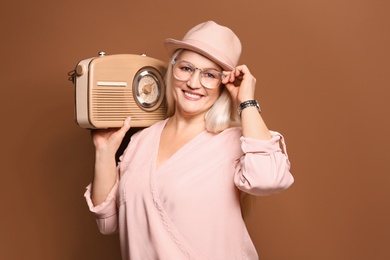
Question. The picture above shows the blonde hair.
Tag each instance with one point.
(219, 117)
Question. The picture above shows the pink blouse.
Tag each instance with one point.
(189, 207)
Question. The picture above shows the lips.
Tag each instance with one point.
(192, 96)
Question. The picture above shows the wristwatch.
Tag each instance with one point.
(248, 103)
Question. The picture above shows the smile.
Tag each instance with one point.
(192, 95)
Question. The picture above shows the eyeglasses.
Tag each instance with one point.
(209, 78)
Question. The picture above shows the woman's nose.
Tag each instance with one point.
(194, 81)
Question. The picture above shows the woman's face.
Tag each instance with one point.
(192, 99)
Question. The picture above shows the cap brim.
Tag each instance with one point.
(172, 45)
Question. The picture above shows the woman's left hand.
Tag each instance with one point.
(240, 83)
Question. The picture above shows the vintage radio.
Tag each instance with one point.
(109, 88)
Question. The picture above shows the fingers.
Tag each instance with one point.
(126, 123)
(230, 77)
(126, 126)
(240, 83)
(111, 135)
(226, 79)
(242, 71)
(236, 76)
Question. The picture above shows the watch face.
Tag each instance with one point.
(148, 88)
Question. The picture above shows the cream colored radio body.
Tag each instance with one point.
(110, 88)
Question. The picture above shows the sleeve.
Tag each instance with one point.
(264, 169)
(105, 213)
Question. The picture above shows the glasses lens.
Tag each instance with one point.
(209, 78)
(183, 71)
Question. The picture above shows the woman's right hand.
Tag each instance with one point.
(106, 144)
(110, 139)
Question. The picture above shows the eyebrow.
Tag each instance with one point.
(210, 68)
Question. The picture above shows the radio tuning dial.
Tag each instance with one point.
(148, 88)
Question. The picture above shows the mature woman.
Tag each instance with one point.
(175, 193)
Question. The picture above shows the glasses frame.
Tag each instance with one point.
(174, 62)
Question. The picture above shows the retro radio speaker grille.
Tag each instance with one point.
(110, 88)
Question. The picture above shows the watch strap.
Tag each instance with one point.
(248, 103)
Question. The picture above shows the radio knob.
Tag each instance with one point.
(147, 89)
(80, 69)
(102, 53)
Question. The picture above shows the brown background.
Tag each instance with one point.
(323, 72)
